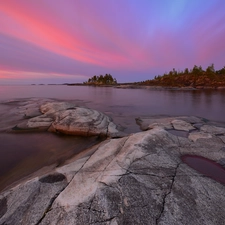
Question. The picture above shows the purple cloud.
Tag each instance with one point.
(133, 40)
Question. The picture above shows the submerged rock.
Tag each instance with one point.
(138, 179)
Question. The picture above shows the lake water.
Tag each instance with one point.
(24, 153)
(129, 102)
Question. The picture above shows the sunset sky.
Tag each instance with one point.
(59, 41)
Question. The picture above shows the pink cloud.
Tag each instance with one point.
(88, 37)
(39, 29)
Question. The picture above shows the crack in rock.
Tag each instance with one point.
(49, 207)
(107, 128)
(104, 221)
(167, 194)
(101, 172)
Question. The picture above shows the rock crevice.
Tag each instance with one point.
(167, 194)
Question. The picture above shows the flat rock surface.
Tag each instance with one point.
(182, 125)
(213, 129)
(179, 123)
(138, 179)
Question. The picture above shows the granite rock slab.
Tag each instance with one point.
(61, 117)
(137, 179)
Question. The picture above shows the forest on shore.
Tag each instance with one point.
(107, 79)
(196, 77)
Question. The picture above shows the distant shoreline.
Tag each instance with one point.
(153, 87)
(139, 86)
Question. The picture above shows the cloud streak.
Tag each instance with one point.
(133, 40)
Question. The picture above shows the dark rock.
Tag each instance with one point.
(3, 206)
(52, 178)
(179, 133)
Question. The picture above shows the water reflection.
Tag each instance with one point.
(130, 103)
(123, 105)
(206, 167)
(204, 103)
(22, 154)
(196, 98)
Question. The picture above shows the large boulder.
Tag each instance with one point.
(138, 179)
(64, 117)
(84, 122)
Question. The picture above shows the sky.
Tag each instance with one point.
(69, 41)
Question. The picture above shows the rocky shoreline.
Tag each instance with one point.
(138, 178)
(154, 87)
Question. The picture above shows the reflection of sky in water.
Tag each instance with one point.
(123, 105)
(24, 153)
(130, 103)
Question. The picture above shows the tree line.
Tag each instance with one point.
(196, 70)
(193, 77)
(107, 79)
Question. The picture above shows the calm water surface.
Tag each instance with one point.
(130, 102)
(26, 153)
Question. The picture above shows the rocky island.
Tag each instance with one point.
(196, 78)
(188, 79)
(171, 172)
